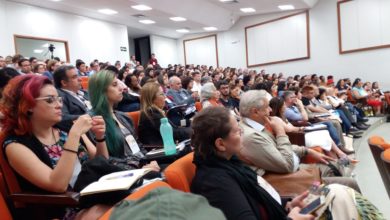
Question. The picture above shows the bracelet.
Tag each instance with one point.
(306, 151)
(71, 151)
(100, 140)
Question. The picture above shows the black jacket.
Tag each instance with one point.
(149, 129)
(72, 108)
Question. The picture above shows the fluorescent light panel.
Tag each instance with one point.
(178, 19)
(183, 30)
(38, 51)
(247, 10)
(226, 0)
(147, 21)
(141, 7)
(286, 7)
(210, 28)
(107, 11)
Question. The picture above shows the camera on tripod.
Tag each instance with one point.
(51, 48)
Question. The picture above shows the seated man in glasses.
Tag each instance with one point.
(75, 100)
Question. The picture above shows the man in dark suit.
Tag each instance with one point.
(75, 100)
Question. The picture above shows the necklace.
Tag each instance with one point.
(48, 147)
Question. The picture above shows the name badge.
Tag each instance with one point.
(183, 123)
(132, 144)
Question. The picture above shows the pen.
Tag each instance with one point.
(122, 176)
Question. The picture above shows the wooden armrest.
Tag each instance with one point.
(287, 197)
(297, 138)
(152, 146)
(300, 123)
(64, 199)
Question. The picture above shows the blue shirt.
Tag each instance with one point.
(293, 114)
(180, 97)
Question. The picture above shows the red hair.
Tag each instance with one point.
(18, 98)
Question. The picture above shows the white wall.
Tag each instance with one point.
(201, 51)
(165, 50)
(87, 38)
(325, 58)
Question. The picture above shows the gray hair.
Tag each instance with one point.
(207, 90)
(287, 94)
(173, 79)
(252, 99)
(205, 79)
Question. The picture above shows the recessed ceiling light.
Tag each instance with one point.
(55, 0)
(147, 21)
(210, 28)
(227, 1)
(141, 7)
(247, 10)
(45, 45)
(107, 11)
(184, 30)
(178, 19)
(286, 7)
(38, 51)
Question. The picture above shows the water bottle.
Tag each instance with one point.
(167, 136)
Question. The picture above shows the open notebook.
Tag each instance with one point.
(122, 180)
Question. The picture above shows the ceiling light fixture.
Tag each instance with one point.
(147, 21)
(247, 10)
(178, 19)
(286, 7)
(210, 28)
(228, 1)
(184, 30)
(107, 11)
(56, 0)
(38, 51)
(141, 7)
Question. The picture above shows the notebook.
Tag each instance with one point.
(122, 180)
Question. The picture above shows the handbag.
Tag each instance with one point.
(91, 171)
(294, 183)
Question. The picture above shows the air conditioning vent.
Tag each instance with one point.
(229, 1)
(139, 15)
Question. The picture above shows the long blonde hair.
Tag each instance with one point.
(149, 93)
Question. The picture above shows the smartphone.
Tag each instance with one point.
(314, 205)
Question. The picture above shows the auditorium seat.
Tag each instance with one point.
(385, 157)
(135, 117)
(180, 173)
(380, 141)
(84, 82)
(4, 210)
(41, 202)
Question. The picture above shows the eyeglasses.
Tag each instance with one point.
(51, 99)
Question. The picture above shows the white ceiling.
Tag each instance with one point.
(199, 13)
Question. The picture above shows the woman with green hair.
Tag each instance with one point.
(105, 91)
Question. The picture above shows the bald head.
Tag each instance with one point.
(175, 83)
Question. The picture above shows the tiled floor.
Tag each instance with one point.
(367, 174)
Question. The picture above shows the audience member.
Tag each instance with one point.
(209, 95)
(44, 157)
(51, 66)
(177, 94)
(75, 101)
(152, 105)
(106, 91)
